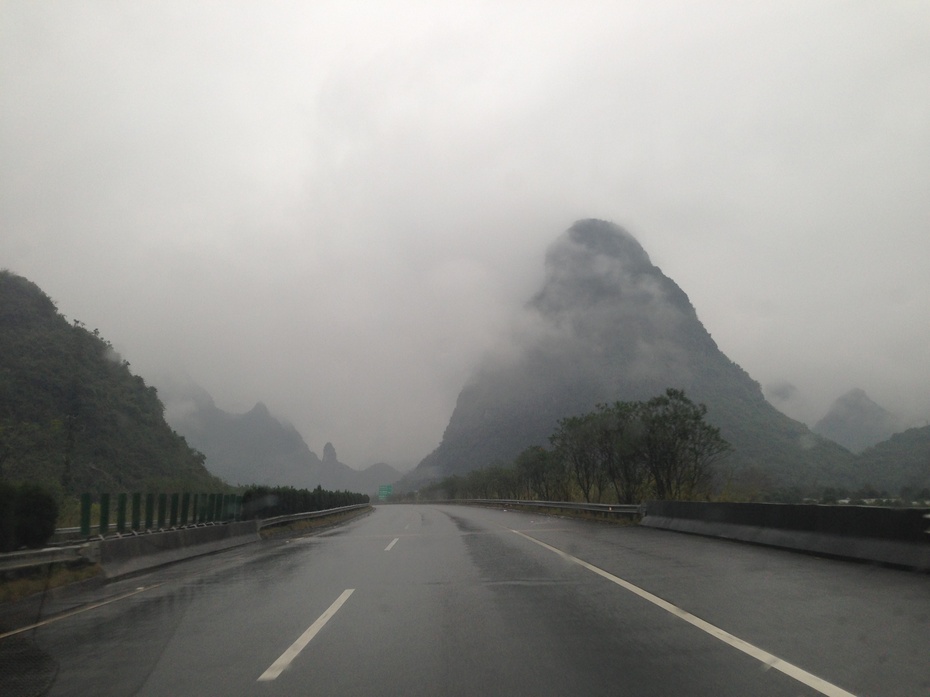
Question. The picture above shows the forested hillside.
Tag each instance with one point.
(901, 462)
(72, 416)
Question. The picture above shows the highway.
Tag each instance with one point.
(454, 600)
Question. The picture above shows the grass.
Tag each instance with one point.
(18, 585)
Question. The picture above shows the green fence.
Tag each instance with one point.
(131, 512)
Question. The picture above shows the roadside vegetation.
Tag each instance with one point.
(623, 452)
(271, 501)
(16, 585)
(28, 516)
(629, 452)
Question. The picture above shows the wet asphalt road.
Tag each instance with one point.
(448, 600)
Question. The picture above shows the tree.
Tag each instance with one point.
(502, 482)
(662, 446)
(618, 440)
(36, 514)
(530, 466)
(679, 448)
(575, 443)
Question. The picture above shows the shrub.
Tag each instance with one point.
(7, 517)
(36, 513)
(28, 515)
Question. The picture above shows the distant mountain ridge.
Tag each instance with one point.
(257, 448)
(856, 422)
(608, 325)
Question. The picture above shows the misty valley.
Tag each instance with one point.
(607, 326)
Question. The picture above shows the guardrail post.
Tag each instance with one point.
(85, 515)
(149, 511)
(136, 511)
(162, 510)
(104, 514)
(121, 514)
(185, 507)
(173, 518)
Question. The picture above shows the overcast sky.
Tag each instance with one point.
(337, 207)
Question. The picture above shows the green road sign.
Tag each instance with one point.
(384, 491)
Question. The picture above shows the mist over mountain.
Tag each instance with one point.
(257, 448)
(73, 417)
(856, 422)
(608, 325)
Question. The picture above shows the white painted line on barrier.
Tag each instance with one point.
(789, 669)
(393, 542)
(294, 650)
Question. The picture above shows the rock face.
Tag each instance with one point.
(608, 325)
(856, 422)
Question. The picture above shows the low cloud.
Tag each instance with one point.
(338, 210)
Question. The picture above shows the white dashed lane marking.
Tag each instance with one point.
(294, 650)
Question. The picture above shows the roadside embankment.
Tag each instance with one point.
(895, 536)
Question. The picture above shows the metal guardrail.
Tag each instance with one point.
(39, 557)
(64, 536)
(293, 517)
(66, 553)
(277, 520)
(618, 509)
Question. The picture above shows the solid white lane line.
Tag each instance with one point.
(789, 669)
(79, 610)
(393, 542)
(285, 659)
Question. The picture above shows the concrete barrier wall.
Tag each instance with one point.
(867, 533)
(124, 555)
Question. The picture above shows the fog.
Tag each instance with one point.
(338, 208)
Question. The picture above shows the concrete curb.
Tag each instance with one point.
(125, 555)
(898, 553)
